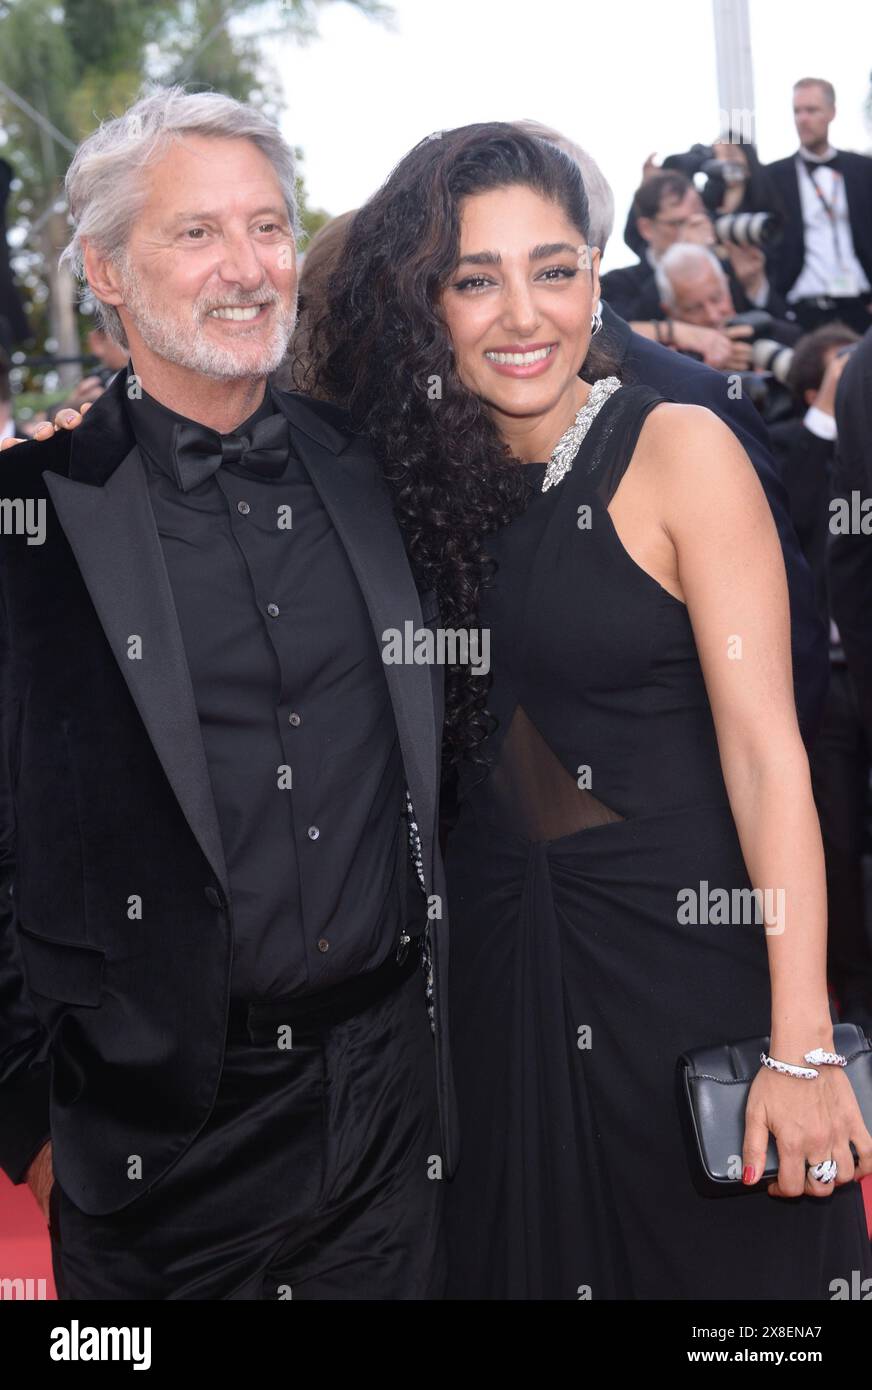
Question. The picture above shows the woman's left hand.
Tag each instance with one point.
(811, 1120)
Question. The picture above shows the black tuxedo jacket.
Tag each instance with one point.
(631, 291)
(850, 554)
(806, 464)
(788, 258)
(681, 379)
(112, 1029)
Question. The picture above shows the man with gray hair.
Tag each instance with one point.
(223, 1047)
(693, 288)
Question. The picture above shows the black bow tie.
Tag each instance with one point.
(812, 164)
(198, 452)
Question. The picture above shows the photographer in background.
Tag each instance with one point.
(666, 209)
(737, 181)
(90, 388)
(696, 297)
(805, 445)
(110, 356)
(745, 212)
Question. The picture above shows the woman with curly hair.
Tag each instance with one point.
(636, 742)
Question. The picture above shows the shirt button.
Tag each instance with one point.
(243, 507)
(273, 610)
(323, 945)
(294, 719)
(314, 832)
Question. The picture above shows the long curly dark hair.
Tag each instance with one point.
(381, 345)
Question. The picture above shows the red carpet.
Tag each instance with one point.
(25, 1251)
(24, 1244)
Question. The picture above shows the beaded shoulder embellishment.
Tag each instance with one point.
(567, 447)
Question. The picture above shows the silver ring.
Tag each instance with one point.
(825, 1171)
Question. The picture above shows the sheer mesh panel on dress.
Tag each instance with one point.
(531, 792)
(606, 468)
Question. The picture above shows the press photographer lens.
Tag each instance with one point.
(749, 228)
(769, 356)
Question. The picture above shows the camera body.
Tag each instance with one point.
(739, 228)
(767, 355)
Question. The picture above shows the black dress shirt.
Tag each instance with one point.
(295, 714)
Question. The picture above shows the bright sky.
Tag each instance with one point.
(622, 78)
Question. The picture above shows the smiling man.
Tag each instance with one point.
(223, 1052)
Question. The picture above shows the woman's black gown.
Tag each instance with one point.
(573, 984)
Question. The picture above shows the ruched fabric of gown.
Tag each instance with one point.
(574, 983)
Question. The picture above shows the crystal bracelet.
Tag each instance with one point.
(820, 1058)
(806, 1073)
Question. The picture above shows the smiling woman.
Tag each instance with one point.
(620, 553)
(413, 302)
(529, 287)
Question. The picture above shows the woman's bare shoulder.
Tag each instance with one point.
(670, 420)
(694, 472)
(680, 441)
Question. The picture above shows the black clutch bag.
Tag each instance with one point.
(713, 1085)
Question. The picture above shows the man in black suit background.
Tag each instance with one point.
(823, 265)
(850, 556)
(850, 586)
(221, 896)
(806, 446)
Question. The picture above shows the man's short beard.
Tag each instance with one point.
(186, 346)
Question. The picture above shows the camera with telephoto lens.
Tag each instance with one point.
(717, 173)
(749, 228)
(766, 354)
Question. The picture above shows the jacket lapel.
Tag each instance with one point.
(856, 192)
(105, 511)
(358, 502)
(106, 515)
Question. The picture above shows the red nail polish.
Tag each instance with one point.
(748, 1174)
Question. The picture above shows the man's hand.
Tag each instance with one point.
(741, 351)
(64, 420)
(718, 349)
(826, 397)
(40, 1178)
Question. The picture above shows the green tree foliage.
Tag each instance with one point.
(66, 66)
